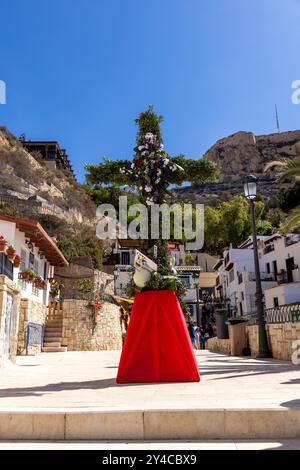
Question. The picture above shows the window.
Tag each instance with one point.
(23, 259)
(125, 257)
(275, 269)
(243, 297)
(268, 268)
(275, 302)
(36, 266)
(45, 270)
(6, 267)
(185, 279)
(191, 308)
(231, 275)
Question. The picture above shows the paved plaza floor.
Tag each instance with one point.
(86, 380)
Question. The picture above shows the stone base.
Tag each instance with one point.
(150, 424)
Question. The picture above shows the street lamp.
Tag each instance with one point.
(196, 285)
(250, 187)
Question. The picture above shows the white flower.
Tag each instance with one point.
(141, 147)
(132, 165)
(149, 135)
(148, 188)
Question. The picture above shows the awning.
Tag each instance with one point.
(39, 237)
(207, 279)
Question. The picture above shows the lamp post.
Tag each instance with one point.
(263, 348)
(196, 285)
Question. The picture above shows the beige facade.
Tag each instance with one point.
(9, 320)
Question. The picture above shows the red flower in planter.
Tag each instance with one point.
(3, 244)
(11, 253)
(39, 282)
(17, 261)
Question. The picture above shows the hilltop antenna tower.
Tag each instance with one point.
(277, 119)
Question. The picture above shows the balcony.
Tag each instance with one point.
(286, 277)
(268, 249)
(295, 238)
(247, 276)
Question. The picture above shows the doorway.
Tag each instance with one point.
(289, 262)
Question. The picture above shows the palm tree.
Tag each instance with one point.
(288, 168)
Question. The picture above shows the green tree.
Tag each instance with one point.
(289, 197)
(287, 169)
(230, 224)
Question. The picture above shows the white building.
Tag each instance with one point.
(199, 277)
(279, 258)
(38, 252)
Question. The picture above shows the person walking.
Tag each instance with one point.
(192, 334)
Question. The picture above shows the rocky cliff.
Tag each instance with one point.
(238, 155)
(243, 153)
(35, 190)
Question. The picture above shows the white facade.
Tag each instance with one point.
(281, 255)
(188, 274)
(279, 260)
(29, 259)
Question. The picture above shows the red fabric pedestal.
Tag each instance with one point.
(157, 346)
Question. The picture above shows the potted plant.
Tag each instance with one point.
(17, 261)
(28, 275)
(11, 252)
(55, 288)
(39, 283)
(3, 244)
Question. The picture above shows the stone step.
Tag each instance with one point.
(50, 338)
(52, 344)
(52, 329)
(54, 323)
(54, 349)
(149, 424)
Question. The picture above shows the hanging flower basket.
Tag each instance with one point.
(11, 253)
(17, 261)
(3, 244)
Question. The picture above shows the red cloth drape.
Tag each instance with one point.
(157, 346)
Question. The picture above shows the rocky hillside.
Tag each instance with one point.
(35, 190)
(238, 155)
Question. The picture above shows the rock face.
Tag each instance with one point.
(238, 155)
(36, 190)
(244, 153)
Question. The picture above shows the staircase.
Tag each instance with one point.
(53, 330)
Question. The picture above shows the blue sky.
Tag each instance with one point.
(80, 71)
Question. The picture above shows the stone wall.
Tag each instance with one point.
(9, 291)
(280, 336)
(221, 345)
(33, 312)
(81, 334)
